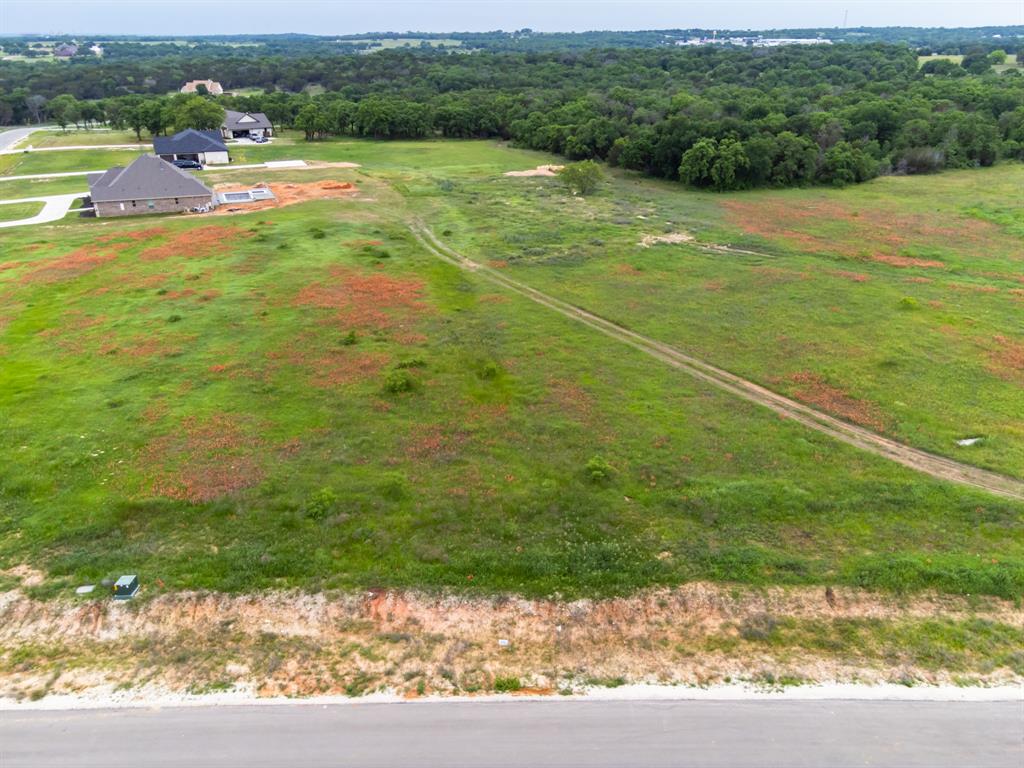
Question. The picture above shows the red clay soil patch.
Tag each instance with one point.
(435, 442)
(1007, 358)
(143, 346)
(366, 301)
(75, 264)
(197, 243)
(568, 397)
(133, 236)
(628, 270)
(815, 391)
(867, 231)
(362, 243)
(857, 277)
(342, 367)
(203, 460)
(906, 261)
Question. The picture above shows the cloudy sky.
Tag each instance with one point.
(330, 17)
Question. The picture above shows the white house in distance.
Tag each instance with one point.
(212, 87)
(242, 125)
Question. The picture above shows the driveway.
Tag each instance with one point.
(56, 208)
(12, 136)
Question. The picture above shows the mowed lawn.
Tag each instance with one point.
(81, 137)
(63, 161)
(15, 211)
(895, 304)
(304, 397)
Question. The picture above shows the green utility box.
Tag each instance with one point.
(126, 587)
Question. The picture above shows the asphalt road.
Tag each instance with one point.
(525, 733)
(12, 135)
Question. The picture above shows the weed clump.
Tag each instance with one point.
(599, 470)
(320, 503)
(317, 234)
(507, 684)
(399, 381)
(908, 303)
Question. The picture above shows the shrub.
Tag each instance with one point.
(908, 303)
(758, 628)
(320, 503)
(490, 370)
(507, 684)
(317, 234)
(598, 469)
(349, 339)
(174, 319)
(581, 178)
(399, 381)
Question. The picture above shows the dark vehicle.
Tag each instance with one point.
(187, 164)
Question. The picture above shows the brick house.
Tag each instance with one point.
(206, 147)
(148, 185)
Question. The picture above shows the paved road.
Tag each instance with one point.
(56, 208)
(525, 733)
(13, 135)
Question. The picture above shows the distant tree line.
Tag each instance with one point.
(711, 117)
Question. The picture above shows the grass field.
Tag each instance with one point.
(15, 211)
(304, 397)
(74, 138)
(30, 163)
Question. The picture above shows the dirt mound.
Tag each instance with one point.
(540, 170)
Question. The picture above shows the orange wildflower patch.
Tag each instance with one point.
(203, 460)
(813, 390)
(1006, 358)
(197, 243)
(906, 261)
(367, 301)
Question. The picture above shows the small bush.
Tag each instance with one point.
(507, 684)
(399, 381)
(490, 370)
(908, 303)
(599, 470)
(349, 339)
(174, 319)
(321, 503)
(317, 234)
(416, 362)
(758, 628)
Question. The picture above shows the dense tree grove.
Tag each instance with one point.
(715, 117)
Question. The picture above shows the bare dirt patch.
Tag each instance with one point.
(674, 237)
(287, 643)
(814, 390)
(1006, 358)
(286, 193)
(540, 170)
(906, 261)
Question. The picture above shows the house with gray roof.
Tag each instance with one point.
(206, 147)
(242, 125)
(148, 185)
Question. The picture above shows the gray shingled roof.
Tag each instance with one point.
(233, 120)
(147, 178)
(189, 142)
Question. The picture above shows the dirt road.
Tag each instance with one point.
(922, 461)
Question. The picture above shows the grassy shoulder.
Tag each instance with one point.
(81, 138)
(16, 211)
(65, 161)
(304, 398)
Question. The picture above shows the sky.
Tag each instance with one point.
(339, 17)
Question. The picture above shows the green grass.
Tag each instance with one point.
(247, 369)
(928, 349)
(75, 138)
(15, 211)
(21, 188)
(30, 163)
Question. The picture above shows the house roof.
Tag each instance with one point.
(189, 142)
(244, 121)
(212, 86)
(147, 178)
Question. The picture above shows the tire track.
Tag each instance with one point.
(931, 464)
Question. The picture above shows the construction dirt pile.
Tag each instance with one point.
(286, 193)
(297, 644)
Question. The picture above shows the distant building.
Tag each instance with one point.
(206, 147)
(754, 42)
(148, 185)
(65, 50)
(239, 125)
(212, 87)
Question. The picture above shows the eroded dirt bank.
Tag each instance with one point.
(697, 634)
